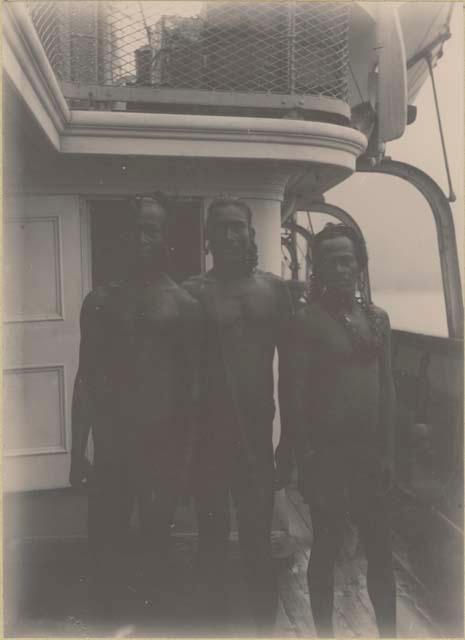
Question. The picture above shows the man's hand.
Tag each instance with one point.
(283, 468)
(80, 473)
(315, 480)
(282, 477)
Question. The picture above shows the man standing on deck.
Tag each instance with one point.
(246, 316)
(134, 388)
(343, 403)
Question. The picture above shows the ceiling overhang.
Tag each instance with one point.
(163, 135)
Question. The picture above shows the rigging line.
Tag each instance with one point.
(449, 14)
(310, 223)
(452, 197)
(298, 249)
(148, 31)
(146, 27)
(355, 82)
(428, 31)
(288, 263)
(302, 254)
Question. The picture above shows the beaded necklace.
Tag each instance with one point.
(363, 346)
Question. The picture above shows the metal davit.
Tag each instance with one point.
(445, 230)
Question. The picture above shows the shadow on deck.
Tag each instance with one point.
(46, 583)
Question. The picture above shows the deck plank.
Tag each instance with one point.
(47, 566)
(345, 621)
(352, 603)
(284, 627)
(350, 610)
(295, 603)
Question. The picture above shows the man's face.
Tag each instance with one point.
(150, 233)
(229, 235)
(338, 267)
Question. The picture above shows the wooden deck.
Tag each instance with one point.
(45, 594)
(354, 615)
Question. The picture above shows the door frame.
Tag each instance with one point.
(86, 246)
(86, 233)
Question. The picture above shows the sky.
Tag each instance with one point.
(395, 219)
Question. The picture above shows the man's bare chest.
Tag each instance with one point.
(249, 306)
(345, 336)
(147, 311)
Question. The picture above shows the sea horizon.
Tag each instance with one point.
(420, 311)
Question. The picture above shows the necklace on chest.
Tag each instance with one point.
(365, 344)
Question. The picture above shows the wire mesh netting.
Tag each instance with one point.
(272, 47)
(47, 26)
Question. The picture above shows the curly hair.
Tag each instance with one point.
(330, 231)
(224, 201)
(160, 198)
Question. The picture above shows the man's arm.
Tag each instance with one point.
(194, 339)
(284, 451)
(387, 407)
(191, 360)
(300, 369)
(82, 410)
(192, 364)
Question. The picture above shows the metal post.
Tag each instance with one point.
(445, 230)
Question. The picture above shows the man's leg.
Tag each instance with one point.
(375, 533)
(156, 577)
(212, 507)
(108, 525)
(157, 509)
(254, 504)
(324, 486)
(156, 470)
(328, 537)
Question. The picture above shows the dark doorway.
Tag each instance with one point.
(111, 222)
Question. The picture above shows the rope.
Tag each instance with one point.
(310, 224)
(146, 27)
(452, 197)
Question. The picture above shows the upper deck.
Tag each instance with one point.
(312, 61)
(200, 57)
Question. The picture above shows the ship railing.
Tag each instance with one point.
(238, 57)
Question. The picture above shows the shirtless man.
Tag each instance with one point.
(246, 315)
(344, 400)
(134, 388)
